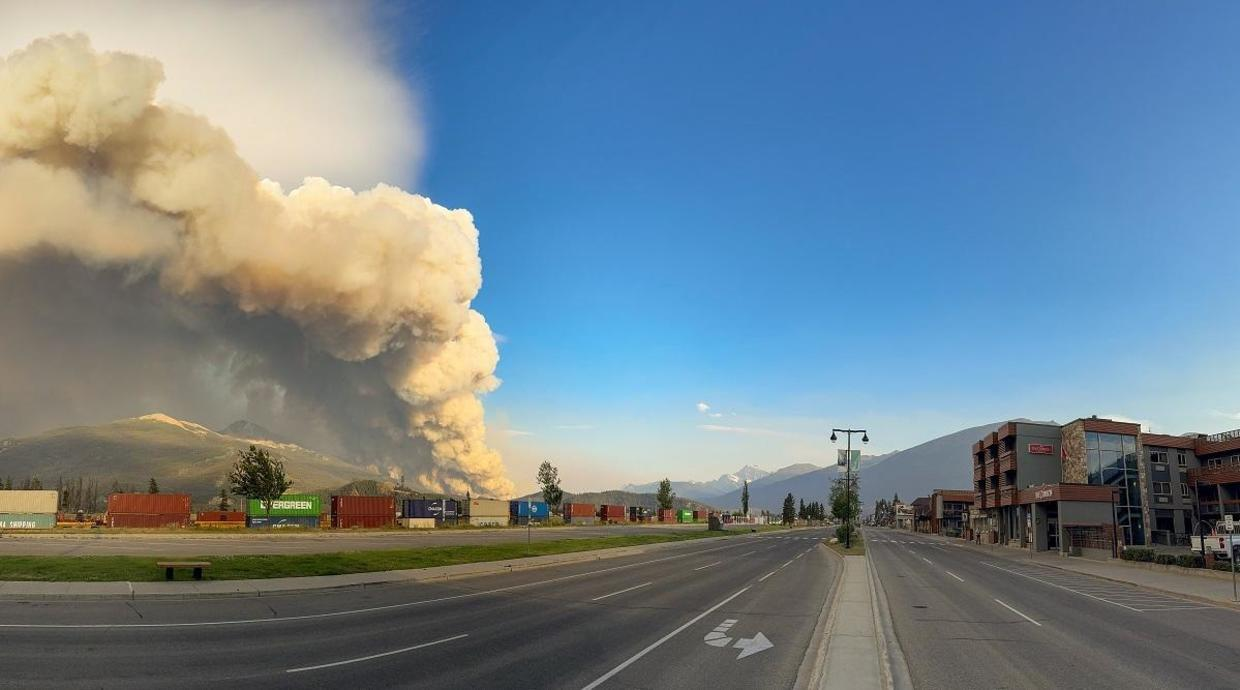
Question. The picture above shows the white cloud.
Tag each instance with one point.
(715, 415)
(736, 429)
(302, 87)
(703, 407)
(518, 432)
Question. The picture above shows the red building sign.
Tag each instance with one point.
(1041, 448)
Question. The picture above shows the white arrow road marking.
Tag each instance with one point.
(718, 636)
(752, 645)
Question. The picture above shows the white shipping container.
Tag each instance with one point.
(28, 501)
(486, 507)
(417, 523)
(488, 520)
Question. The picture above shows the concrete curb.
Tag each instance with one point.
(813, 668)
(895, 666)
(42, 591)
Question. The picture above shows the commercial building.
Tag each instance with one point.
(921, 514)
(904, 515)
(1099, 484)
(948, 508)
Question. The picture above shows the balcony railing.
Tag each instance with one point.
(1007, 463)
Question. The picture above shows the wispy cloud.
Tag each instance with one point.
(500, 338)
(721, 428)
(703, 407)
(574, 427)
(1233, 416)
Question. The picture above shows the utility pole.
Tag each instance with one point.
(865, 438)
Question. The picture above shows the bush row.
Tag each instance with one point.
(1191, 560)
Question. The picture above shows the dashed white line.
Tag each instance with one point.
(708, 565)
(376, 656)
(625, 664)
(766, 576)
(747, 553)
(954, 575)
(630, 589)
(1018, 613)
(926, 560)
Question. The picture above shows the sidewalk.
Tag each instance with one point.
(853, 658)
(191, 589)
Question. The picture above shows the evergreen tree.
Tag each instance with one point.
(790, 510)
(225, 504)
(665, 497)
(549, 480)
(152, 486)
(745, 498)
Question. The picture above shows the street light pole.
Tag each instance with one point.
(865, 438)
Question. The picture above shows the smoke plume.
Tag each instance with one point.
(139, 252)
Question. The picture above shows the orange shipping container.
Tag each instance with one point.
(611, 512)
(364, 505)
(363, 521)
(221, 516)
(578, 510)
(149, 503)
(148, 520)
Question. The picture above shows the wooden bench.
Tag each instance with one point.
(170, 566)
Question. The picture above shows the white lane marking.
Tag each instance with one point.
(654, 645)
(708, 565)
(375, 656)
(752, 645)
(954, 575)
(1019, 613)
(785, 565)
(630, 589)
(747, 553)
(801, 554)
(1066, 589)
(350, 612)
(766, 576)
(718, 637)
(926, 560)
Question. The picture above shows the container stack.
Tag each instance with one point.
(525, 512)
(487, 512)
(699, 516)
(579, 514)
(148, 510)
(426, 513)
(28, 509)
(226, 519)
(290, 511)
(639, 514)
(367, 512)
(668, 515)
(684, 515)
(612, 514)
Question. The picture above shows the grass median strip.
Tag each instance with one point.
(143, 568)
(857, 548)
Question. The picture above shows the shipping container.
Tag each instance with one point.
(578, 510)
(149, 504)
(28, 501)
(283, 521)
(487, 507)
(699, 515)
(368, 506)
(668, 515)
(639, 514)
(684, 516)
(221, 516)
(147, 520)
(417, 523)
(288, 505)
(437, 508)
(581, 519)
(488, 520)
(347, 521)
(529, 509)
(612, 513)
(27, 520)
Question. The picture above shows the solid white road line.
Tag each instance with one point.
(708, 565)
(1019, 613)
(654, 645)
(747, 553)
(630, 589)
(954, 575)
(766, 576)
(926, 560)
(375, 656)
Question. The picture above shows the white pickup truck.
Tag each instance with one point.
(1217, 544)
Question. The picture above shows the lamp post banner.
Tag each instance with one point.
(842, 458)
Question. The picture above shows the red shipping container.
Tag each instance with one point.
(578, 510)
(149, 503)
(221, 516)
(364, 505)
(667, 516)
(612, 513)
(149, 520)
(699, 515)
(363, 521)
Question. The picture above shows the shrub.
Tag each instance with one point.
(1191, 560)
(1225, 565)
(1139, 555)
(842, 531)
(1166, 559)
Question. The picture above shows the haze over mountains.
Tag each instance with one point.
(707, 489)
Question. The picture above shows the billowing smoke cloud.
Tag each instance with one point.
(134, 237)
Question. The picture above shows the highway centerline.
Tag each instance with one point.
(708, 565)
(654, 645)
(1019, 613)
(376, 656)
(954, 575)
(630, 589)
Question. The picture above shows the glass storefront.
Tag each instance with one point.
(1112, 459)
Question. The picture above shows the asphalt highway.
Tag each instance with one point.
(89, 542)
(970, 617)
(732, 613)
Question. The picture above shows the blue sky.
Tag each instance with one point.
(914, 217)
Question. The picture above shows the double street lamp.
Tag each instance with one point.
(865, 438)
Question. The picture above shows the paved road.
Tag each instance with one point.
(973, 618)
(233, 542)
(639, 621)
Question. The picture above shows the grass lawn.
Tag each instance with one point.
(143, 569)
(857, 548)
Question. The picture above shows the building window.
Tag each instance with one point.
(1181, 458)
(1158, 456)
(1184, 489)
(1162, 487)
(1112, 459)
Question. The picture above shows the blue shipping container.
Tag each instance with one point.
(535, 509)
(438, 508)
(282, 521)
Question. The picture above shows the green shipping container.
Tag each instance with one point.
(684, 516)
(288, 505)
(27, 520)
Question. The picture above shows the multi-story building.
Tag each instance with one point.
(1081, 484)
(948, 508)
(921, 514)
(904, 515)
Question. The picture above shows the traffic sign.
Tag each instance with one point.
(1228, 523)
